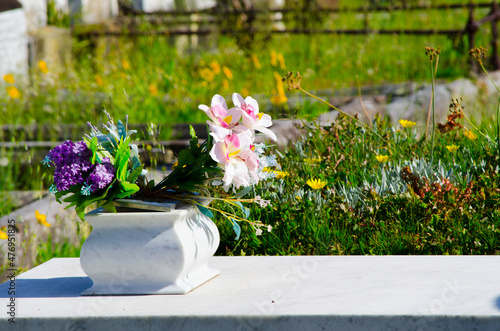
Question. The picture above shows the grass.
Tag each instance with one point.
(146, 78)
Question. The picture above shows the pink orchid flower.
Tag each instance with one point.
(252, 119)
(235, 156)
(223, 120)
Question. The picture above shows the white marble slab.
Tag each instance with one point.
(276, 293)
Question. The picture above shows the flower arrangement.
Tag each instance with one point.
(104, 167)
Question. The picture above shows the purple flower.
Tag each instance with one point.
(101, 176)
(72, 163)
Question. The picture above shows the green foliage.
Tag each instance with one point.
(446, 207)
(194, 167)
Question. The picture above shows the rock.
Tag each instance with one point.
(463, 88)
(485, 85)
(415, 107)
(327, 119)
(372, 105)
(286, 131)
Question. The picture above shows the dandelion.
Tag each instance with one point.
(43, 66)
(215, 67)
(125, 64)
(41, 218)
(225, 84)
(245, 91)
(470, 135)
(407, 124)
(452, 148)
(9, 78)
(281, 174)
(382, 158)
(256, 61)
(228, 73)
(153, 90)
(13, 92)
(3, 235)
(316, 184)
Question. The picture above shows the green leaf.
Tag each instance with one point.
(244, 210)
(132, 177)
(125, 189)
(194, 139)
(243, 192)
(236, 228)
(185, 158)
(122, 131)
(205, 211)
(192, 132)
(121, 159)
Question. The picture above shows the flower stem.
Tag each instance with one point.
(342, 112)
(433, 73)
(475, 128)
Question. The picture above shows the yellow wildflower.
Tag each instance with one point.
(312, 161)
(41, 218)
(256, 62)
(98, 80)
(382, 158)
(207, 74)
(43, 66)
(13, 92)
(225, 84)
(245, 91)
(227, 72)
(280, 174)
(470, 135)
(281, 60)
(125, 64)
(153, 90)
(9, 78)
(274, 60)
(215, 67)
(407, 124)
(452, 148)
(316, 184)
(3, 235)
(280, 98)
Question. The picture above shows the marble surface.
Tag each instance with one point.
(276, 293)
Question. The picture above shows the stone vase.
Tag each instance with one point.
(148, 252)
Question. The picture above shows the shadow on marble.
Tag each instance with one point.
(497, 303)
(63, 287)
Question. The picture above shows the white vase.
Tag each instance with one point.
(148, 252)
